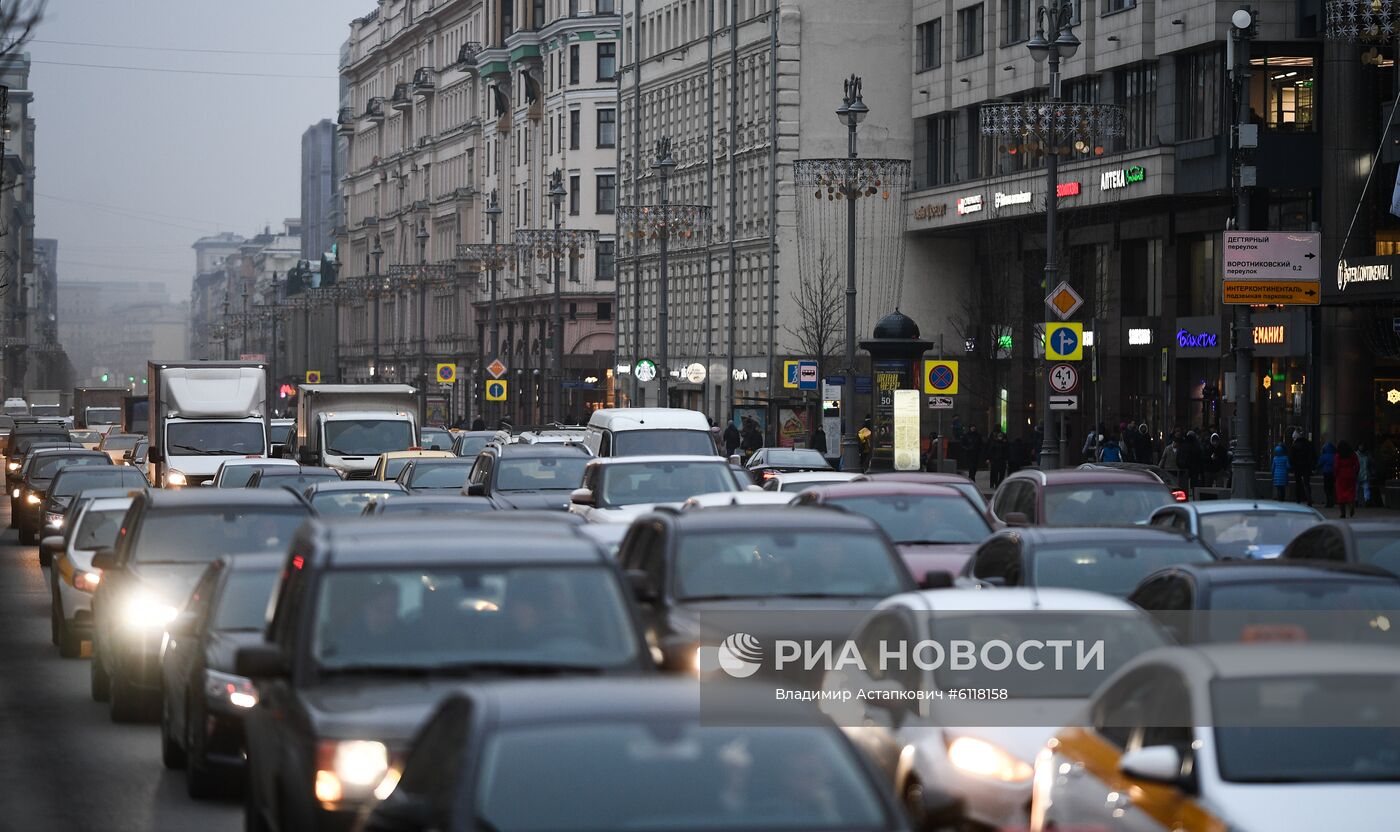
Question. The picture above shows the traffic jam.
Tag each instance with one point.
(343, 618)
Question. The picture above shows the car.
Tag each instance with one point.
(32, 429)
(1239, 528)
(1108, 560)
(647, 431)
(435, 438)
(1077, 498)
(89, 439)
(347, 498)
(1372, 542)
(235, 473)
(367, 635)
(934, 527)
(721, 499)
(1280, 737)
(14, 478)
(15, 406)
(38, 479)
(1241, 595)
(19, 451)
(764, 463)
(938, 740)
(560, 435)
(968, 488)
(443, 504)
(391, 463)
(71, 481)
(72, 578)
(441, 475)
(203, 702)
(620, 489)
(799, 481)
(1155, 473)
(282, 435)
(627, 754)
(297, 479)
(686, 565)
(169, 539)
(469, 443)
(116, 444)
(138, 457)
(527, 476)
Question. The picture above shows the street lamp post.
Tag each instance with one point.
(274, 309)
(225, 323)
(493, 214)
(852, 112)
(664, 164)
(556, 196)
(423, 374)
(374, 294)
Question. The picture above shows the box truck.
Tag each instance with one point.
(347, 426)
(203, 413)
(97, 408)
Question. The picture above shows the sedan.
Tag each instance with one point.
(34, 491)
(435, 439)
(235, 473)
(203, 702)
(1111, 561)
(117, 444)
(89, 439)
(72, 481)
(72, 577)
(1372, 542)
(620, 489)
(1078, 498)
(766, 462)
(347, 498)
(470, 443)
(440, 475)
(1239, 528)
(796, 483)
(1155, 473)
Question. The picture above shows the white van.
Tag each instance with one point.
(646, 431)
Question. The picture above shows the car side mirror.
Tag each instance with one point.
(105, 559)
(757, 488)
(305, 456)
(260, 661)
(155, 455)
(994, 580)
(936, 579)
(938, 809)
(207, 484)
(1017, 518)
(640, 586)
(476, 489)
(582, 497)
(126, 455)
(735, 460)
(52, 546)
(1156, 763)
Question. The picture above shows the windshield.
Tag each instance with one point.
(673, 775)
(1379, 549)
(86, 436)
(16, 410)
(760, 563)
(920, 518)
(293, 478)
(791, 487)
(346, 503)
(1316, 594)
(237, 476)
(215, 438)
(1113, 567)
(99, 528)
(1288, 747)
(368, 437)
(393, 467)
(472, 445)
(120, 442)
(243, 602)
(195, 536)
(1103, 504)
(46, 410)
(452, 475)
(545, 473)
(435, 439)
(71, 481)
(402, 505)
(7, 423)
(793, 458)
(1247, 534)
(636, 483)
(104, 415)
(669, 442)
(449, 617)
(46, 466)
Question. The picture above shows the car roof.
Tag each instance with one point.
(1009, 599)
(263, 461)
(71, 453)
(413, 499)
(872, 488)
(931, 477)
(760, 517)
(657, 458)
(367, 541)
(253, 561)
(1274, 570)
(541, 449)
(386, 486)
(1079, 534)
(107, 493)
(1074, 476)
(648, 418)
(222, 497)
(283, 471)
(1358, 526)
(414, 454)
(450, 459)
(106, 501)
(1231, 506)
(815, 476)
(730, 499)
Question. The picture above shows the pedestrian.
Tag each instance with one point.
(1346, 468)
(1090, 451)
(1217, 461)
(1301, 460)
(930, 459)
(819, 441)
(1363, 474)
(731, 439)
(1280, 467)
(972, 451)
(998, 457)
(478, 423)
(1326, 462)
(1194, 459)
(1171, 461)
(1142, 444)
(866, 436)
(750, 439)
(1111, 451)
(1018, 454)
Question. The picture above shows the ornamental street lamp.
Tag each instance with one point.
(377, 288)
(851, 113)
(492, 257)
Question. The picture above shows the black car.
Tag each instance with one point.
(169, 538)
(528, 476)
(429, 474)
(766, 462)
(293, 477)
(15, 463)
(34, 490)
(367, 635)
(72, 481)
(442, 504)
(1253, 599)
(1372, 542)
(203, 701)
(472, 442)
(683, 565)
(435, 439)
(1108, 560)
(25, 434)
(347, 498)
(623, 754)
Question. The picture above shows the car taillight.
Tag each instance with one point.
(1273, 632)
(768, 475)
(1179, 495)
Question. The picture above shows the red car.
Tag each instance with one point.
(936, 528)
(1078, 498)
(968, 488)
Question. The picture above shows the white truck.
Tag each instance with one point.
(203, 413)
(347, 426)
(97, 408)
(50, 404)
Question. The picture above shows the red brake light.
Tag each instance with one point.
(298, 562)
(1273, 632)
(1179, 495)
(768, 475)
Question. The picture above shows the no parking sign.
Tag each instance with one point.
(940, 377)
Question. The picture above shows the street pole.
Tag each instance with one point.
(493, 213)
(225, 307)
(272, 352)
(556, 194)
(375, 294)
(851, 113)
(423, 374)
(1243, 464)
(664, 165)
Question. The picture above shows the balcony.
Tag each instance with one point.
(345, 122)
(402, 98)
(374, 110)
(466, 56)
(423, 84)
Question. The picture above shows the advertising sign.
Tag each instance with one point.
(906, 430)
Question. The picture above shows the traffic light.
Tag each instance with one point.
(131, 379)
(143, 381)
(105, 376)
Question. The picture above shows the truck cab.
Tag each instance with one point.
(347, 426)
(203, 414)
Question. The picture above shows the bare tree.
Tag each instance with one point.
(17, 21)
(819, 326)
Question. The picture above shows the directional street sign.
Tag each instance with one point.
(1272, 267)
(496, 390)
(807, 375)
(1064, 342)
(1063, 300)
(1064, 378)
(1064, 402)
(446, 373)
(940, 377)
(940, 402)
(496, 368)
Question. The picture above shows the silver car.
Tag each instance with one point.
(72, 578)
(1247, 529)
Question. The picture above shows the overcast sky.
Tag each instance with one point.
(134, 166)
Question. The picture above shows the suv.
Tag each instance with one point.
(1078, 498)
(527, 476)
(366, 637)
(167, 540)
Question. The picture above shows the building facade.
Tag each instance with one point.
(113, 328)
(320, 191)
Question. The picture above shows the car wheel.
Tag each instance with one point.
(172, 756)
(200, 782)
(100, 684)
(127, 702)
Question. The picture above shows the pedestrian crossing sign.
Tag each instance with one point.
(496, 390)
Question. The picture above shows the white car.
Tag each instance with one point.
(620, 489)
(988, 768)
(800, 481)
(72, 579)
(721, 499)
(1251, 763)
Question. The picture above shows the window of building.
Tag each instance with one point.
(970, 31)
(930, 45)
(1018, 20)
(575, 120)
(1111, 6)
(606, 268)
(1281, 92)
(1142, 278)
(574, 196)
(607, 62)
(1137, 95)
(607, 193)
(607, 128)
(573, 8)
(1199, 100)
(573, 64)
(537, 14)
(606, 7)
(604, 309)
(942, 148)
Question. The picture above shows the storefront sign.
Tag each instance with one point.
(1348, 275)
(1115, 179)
(931, 211)
(1065, 189)
(1138, 337)
(969, 205)
(1273, 334)
(1188, 340)
(1280, 334)
(1000, 200)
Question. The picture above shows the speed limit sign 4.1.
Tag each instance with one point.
(1064, 378)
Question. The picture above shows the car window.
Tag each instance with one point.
(49, 465)
(1143, 697)
(762, 563)
(663, 441)
(635, 483)
(1100, 504)
(98, 528)
(1000, 558)
(345, 503)
(367, 437)
(887, 628)
(198, 604)
(1025, 501)
(920, 518)
(164, 536)
(438, 476)
(1376, 549)
(471, 445)
(1253, 534)
(1113, 567)
(70, 481)
(243, 601)
(549, 473)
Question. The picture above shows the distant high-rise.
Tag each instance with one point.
(318, 189)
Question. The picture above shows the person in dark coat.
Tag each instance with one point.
(750, 439)
(972, 451)
(1018, 454)
(1193, 458)
(1301, 459)
(478, 423)
(1345, 471)
(1325, 465)
(731, 440)
(998, 457)
(819, 441)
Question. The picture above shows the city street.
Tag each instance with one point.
(66, 765)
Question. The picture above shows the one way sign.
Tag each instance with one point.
(1064, 402)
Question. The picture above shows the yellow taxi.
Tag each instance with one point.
(391, 463)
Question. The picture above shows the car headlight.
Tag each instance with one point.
(145, 611)
(982, 758)
(176, 479)
(13, 466)
(15, 493)
(33, 499)
(349, 767)
(54, 519)
(86, 581)
(228, 688)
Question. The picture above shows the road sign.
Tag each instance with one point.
(645, 370)
(313, 376)
(807, 375)
(940, 377)
(940, 402)
(831, 391)
(791, 372)
(1064, 402)
(1064, 301)
(446, 373)
(496, 368)
(1064, 378)
(1064, 342)
(1272, 267)
(496, 390)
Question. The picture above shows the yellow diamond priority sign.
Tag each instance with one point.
(1064, 301)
